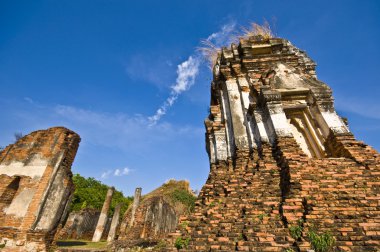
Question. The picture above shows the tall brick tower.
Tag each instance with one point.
(283, 164)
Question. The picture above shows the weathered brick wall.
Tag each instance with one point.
(280, 158)
(156, 215)
(154, 218)
(37, 187)
(80, 225)
(238, 208)
(252, 207)
(335, 195)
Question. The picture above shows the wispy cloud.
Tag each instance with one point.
(188, 70)
(116, 173)
(121, 172)
(120, 130)
(224, 36)
(106, 174)
(186, 74)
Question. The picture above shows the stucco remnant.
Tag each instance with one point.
(36, 188)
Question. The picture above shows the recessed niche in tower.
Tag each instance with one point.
(306, 132)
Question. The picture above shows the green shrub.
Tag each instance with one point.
(321, 242)
(185, 197)
(181, 243)
(296, 231)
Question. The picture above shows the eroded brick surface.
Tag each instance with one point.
(80, 225)
(36, 188)
(280, 157)
(156, 214)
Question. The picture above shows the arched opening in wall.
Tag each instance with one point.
(306, 132)
(9, 193)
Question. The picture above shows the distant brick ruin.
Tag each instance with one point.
(92, 224)
(36, 188)
(80, 225)
(153, 216)
(280, 159)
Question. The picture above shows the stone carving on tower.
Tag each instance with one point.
(268, 89)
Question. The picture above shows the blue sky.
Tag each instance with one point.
(104, 68)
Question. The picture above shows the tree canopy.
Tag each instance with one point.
(91, 193)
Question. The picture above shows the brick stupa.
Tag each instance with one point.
(280, 158)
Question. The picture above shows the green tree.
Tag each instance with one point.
(90, 193)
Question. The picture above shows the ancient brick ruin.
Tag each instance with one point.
(80, 225)
(36, 188)
(151, 217)
(280, 158)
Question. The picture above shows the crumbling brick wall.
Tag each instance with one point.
(155, 216)
(80, 225)
(36, 187)
(280, 158)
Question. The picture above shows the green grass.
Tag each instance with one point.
(81, 244)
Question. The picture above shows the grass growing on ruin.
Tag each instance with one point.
(185, 198)
(178, 193)
(82, 244)
(263, 31)
(211, 51)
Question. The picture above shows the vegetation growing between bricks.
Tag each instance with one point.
(181, 242)
(321, 242)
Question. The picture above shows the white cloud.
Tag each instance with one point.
(116, 173)
(106, 174)
(186, 74)
(119, 130)
(121, 172)
(188, 70)
(224, 36)
(126, 171)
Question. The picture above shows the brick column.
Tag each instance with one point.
(103, 216)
